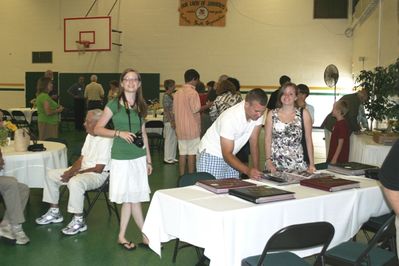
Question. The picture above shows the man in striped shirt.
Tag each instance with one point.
(186, 108)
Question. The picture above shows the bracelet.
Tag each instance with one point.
(149, 163)
(268, 158)
(118, 133)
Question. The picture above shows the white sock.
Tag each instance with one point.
(79, 218)
(55, 210)
(16, 227)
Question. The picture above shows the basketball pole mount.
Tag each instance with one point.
(117, 31)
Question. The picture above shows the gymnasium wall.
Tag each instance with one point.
(261, 41)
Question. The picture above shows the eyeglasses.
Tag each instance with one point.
(131, 79)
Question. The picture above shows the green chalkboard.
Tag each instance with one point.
(63, 81)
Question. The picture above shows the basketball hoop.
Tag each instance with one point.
(82, 46)
(86, 44)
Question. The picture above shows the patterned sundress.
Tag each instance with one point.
(287, 152)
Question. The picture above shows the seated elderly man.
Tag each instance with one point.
(15, 195)
(88, 172)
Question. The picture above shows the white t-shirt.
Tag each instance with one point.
(311, 111)
(96, 150)
(231, 124)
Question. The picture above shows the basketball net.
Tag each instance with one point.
(82, 46)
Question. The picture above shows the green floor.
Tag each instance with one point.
(96, 246)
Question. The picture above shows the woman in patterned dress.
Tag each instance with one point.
(283, 134)
(227, 96)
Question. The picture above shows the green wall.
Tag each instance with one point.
(62, 81)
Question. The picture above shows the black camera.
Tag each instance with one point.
(138, 140)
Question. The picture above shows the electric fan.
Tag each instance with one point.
(331, 76)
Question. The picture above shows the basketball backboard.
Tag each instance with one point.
(87, 34)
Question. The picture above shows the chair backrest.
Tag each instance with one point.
(18, 115)
(34, 117)
(154, 124)
(7, 116)
(19, 118)
(190, 179)
(385, 231)
(300, 236)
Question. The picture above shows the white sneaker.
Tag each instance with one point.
(20, 236)
(76, 226)
(50, 217)
(14, 232)
(5, 231)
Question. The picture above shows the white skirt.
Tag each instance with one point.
(129, 181)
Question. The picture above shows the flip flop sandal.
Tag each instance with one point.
(127, 246)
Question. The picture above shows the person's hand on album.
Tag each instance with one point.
(269, 166)
(254, 173)
(311, 169)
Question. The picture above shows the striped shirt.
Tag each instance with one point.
(186, 106)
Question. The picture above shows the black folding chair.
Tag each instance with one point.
(374, 224)
(356, 253)
(189, 180)
(33, 125)
(20, 119)
(155, 133)
(103, 189)
(7, 116)
(294, 237)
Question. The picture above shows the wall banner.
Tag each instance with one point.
(203, 13)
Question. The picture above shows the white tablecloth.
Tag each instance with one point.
(231, 229)
(153, 118)
(27, 112)
(363, 149)
(31, 167)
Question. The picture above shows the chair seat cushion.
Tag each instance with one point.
(280, 259)
(350, 251)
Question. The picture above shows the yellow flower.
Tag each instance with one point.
(10, 126)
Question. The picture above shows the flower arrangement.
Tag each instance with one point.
(154, 106)
(5, 129)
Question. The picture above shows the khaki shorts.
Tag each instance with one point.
(188, 147)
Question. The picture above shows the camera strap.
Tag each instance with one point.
(127, 108)
(128, 115)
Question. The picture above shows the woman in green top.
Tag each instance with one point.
(47, 110)
(130, 159)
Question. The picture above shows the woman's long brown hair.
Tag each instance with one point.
(139, 104)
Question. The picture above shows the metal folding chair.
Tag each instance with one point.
(20, 119)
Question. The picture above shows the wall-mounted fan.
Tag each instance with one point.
(331, 76)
